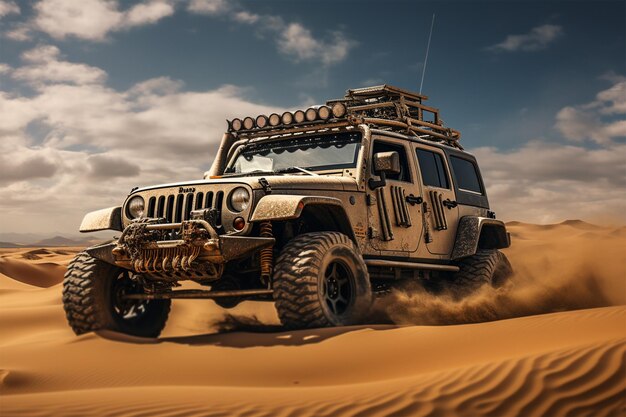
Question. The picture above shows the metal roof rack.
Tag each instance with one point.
(383, 106)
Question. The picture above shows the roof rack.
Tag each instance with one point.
(383, 106)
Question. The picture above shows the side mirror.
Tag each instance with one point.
(387, 162)
(384, 163)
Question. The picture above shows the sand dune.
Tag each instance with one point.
(552, 343)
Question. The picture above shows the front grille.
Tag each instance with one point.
(175, 208)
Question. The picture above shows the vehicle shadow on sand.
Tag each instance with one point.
(248, 336)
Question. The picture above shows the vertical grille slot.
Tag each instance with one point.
(209, 199)
(169, 213)
(160, 211)
(219, 198)
(151, 204)
(188, 206)
(179, 208)
(199, 200)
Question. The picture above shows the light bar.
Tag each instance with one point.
(287, 118)
(324, 112)
(236, 124)
(339, 110)
(310, 114)
(248, 123)
(299, 116)
(274, 119)
(261, 121)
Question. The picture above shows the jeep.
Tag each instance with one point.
(318, 210)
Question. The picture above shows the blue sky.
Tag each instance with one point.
(536, 88)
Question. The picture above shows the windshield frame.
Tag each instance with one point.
(350, 137)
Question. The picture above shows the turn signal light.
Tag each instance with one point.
(239, 223)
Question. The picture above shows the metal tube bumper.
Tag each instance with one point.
(199, 294)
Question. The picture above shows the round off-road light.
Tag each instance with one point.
(324, 112)
(248, 123)
(239, 199)
(339, 110)
(310, 114)
(135, 207)
(287, 118)
(299, 116)
(236, 124)
(261, 121)
(274, 119)
(239, 223)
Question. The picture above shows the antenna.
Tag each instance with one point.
(432, 24)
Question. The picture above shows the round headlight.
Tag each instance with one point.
(299, 116)
(239, 199)
(135, 207)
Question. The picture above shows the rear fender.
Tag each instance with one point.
(475, 233)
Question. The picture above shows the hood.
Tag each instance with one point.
(277, 182)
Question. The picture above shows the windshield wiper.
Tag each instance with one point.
(295, 168)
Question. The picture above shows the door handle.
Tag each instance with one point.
(450, 204)
(412, 200)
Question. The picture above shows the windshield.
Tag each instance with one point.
(315, 153)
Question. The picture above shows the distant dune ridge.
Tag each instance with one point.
(550, 343)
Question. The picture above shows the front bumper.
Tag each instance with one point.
(151, 246)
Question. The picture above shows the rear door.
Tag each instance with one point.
(439, 208)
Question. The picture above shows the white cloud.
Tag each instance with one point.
(293, 40)
(96, 143)
(596, 121)
(44, 66)
(538, 38)
(4, 68)
(548, 183)
(8, 7)
(209, 7)
(19, 33)
(94, 19)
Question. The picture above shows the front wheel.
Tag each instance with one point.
(93, 298)
(321, 280)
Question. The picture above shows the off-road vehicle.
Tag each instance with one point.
(316, 210)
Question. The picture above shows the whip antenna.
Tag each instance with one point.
(432, 24)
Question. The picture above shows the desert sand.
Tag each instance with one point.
(550, 343)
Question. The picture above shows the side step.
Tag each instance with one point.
(410, 265)
(198, 294)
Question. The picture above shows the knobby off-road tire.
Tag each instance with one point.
(91, 298)
(321, 280)
(486, 267)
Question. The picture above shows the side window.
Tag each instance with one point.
(466, 175)
(405, 174)
(432, 169)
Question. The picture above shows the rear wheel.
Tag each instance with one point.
(321, 280)
(485, 267)
(93, 298)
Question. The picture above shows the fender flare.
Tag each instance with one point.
(279, 207)
(475, 230)
(104, 219)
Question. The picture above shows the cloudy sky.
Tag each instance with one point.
(98, 96)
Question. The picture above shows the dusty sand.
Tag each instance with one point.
(552, 343)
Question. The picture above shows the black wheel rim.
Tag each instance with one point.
(125, 309)
(337, 287)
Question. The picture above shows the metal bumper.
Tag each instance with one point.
(145, 246)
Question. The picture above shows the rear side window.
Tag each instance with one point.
(432, 169)
(466, 175)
